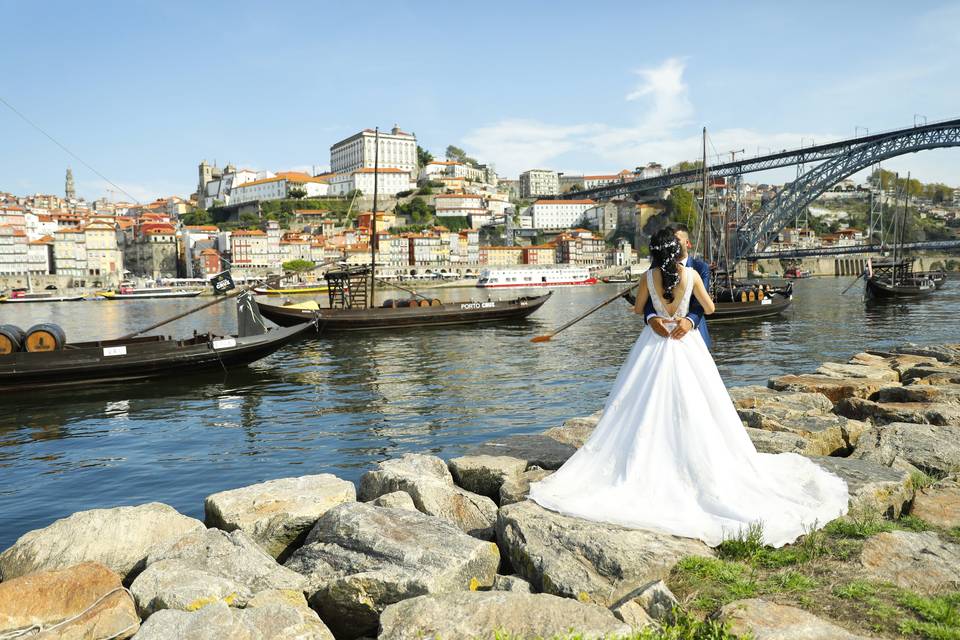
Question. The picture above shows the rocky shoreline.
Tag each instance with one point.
(452, 549)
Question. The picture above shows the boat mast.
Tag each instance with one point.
(373, 214)
(707, 239)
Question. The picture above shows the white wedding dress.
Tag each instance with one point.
(670, 454)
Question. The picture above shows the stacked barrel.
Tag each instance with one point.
(38, 338)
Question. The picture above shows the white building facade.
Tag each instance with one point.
(398, 150)
(558, 214)
(539, 182)
(390, 181)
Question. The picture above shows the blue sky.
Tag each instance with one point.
(143, 91)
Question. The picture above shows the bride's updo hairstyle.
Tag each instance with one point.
(665, 253)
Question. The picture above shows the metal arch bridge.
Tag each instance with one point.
(837, 161)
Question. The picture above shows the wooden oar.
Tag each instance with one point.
(851, 284)
(548, 336)
(232, 294)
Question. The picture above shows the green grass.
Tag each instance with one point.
(683, 627)
(939, 616)
(858, 525)
(913, 523)
(921, 480)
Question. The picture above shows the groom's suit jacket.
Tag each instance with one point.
(695, 312)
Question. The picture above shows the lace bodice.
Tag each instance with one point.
(658, 304)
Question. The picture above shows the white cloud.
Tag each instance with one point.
(660, 130)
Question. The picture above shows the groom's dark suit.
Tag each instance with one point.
(695, 313)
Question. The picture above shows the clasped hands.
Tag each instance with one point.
(683, 326)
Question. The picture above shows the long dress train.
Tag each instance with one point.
(670, 454)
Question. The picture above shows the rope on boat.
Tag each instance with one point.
(37, 629)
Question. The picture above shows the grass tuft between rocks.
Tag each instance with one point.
(683, 627)
(820, 573)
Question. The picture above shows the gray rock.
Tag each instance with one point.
(271, 620)
(657, 600)
(932, 449)
(633, 615)
(429, 483)
(873, 487)
(537, 450)
(836, 389)
(887, 412)
(757, 397)
(763, 620)
(515, 584)
(479, 614)
(918, 561)
(872, 372)
(485, 474)
(939, 504)
(208, 566)
(825, 434)
(120, 539)
(588, 561)
(931, 374)
(396, 500)
(361, 558)
(516, 489)
(277, 514)
(575, 431)
(779, 441)
(946, 394)
(948, 353)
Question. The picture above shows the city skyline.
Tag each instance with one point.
(144, 93)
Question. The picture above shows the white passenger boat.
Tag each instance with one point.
(534, 276)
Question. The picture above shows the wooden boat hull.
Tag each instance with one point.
(396, 317)
(146, 295)
(7, 300)
(770, 306)
(137, 358)
(289, 291)
(880, 290)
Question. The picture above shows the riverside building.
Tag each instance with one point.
(398, 150)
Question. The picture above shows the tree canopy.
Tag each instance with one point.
(459, 155)
(424, 157)
(298, 266)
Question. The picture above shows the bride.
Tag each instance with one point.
(670, 453)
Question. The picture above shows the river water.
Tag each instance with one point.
(339, 403)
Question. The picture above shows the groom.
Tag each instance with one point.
(694, 318)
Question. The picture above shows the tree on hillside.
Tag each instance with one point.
(687, 165)
(681, 207)
(424, 157)
(297, 193)
(459, 155)
(417, 210)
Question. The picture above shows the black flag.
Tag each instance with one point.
(222, 282)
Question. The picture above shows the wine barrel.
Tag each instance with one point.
(424, 302)
(45, 337)
(11, 338)
(435, 302)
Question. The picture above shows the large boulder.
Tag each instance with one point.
(588, 561)
(516, 489)
(757, 397)
(536, 450)
(88, 594)
(872, 371)
(763, 620)
(939, 504)
(269, 619)
(943, 394)
(277, 514)
(917, 561)
(511, 583)
(781, 442)
(208, 566)
(120, 538)
(929, 448)
(873, 487)
(396, 500)
(360, 558)
(825, 434)
(948, 353)
(485, 474)
(479, 615)
(429, 483)
(836, 389)
(887, 412)
(935, 374)
(575, 431)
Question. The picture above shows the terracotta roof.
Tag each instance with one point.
(201, 227)
(209, 251)
(607, 177)
(249, 232)
(564, 202)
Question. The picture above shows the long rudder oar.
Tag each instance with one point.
(548, 336)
